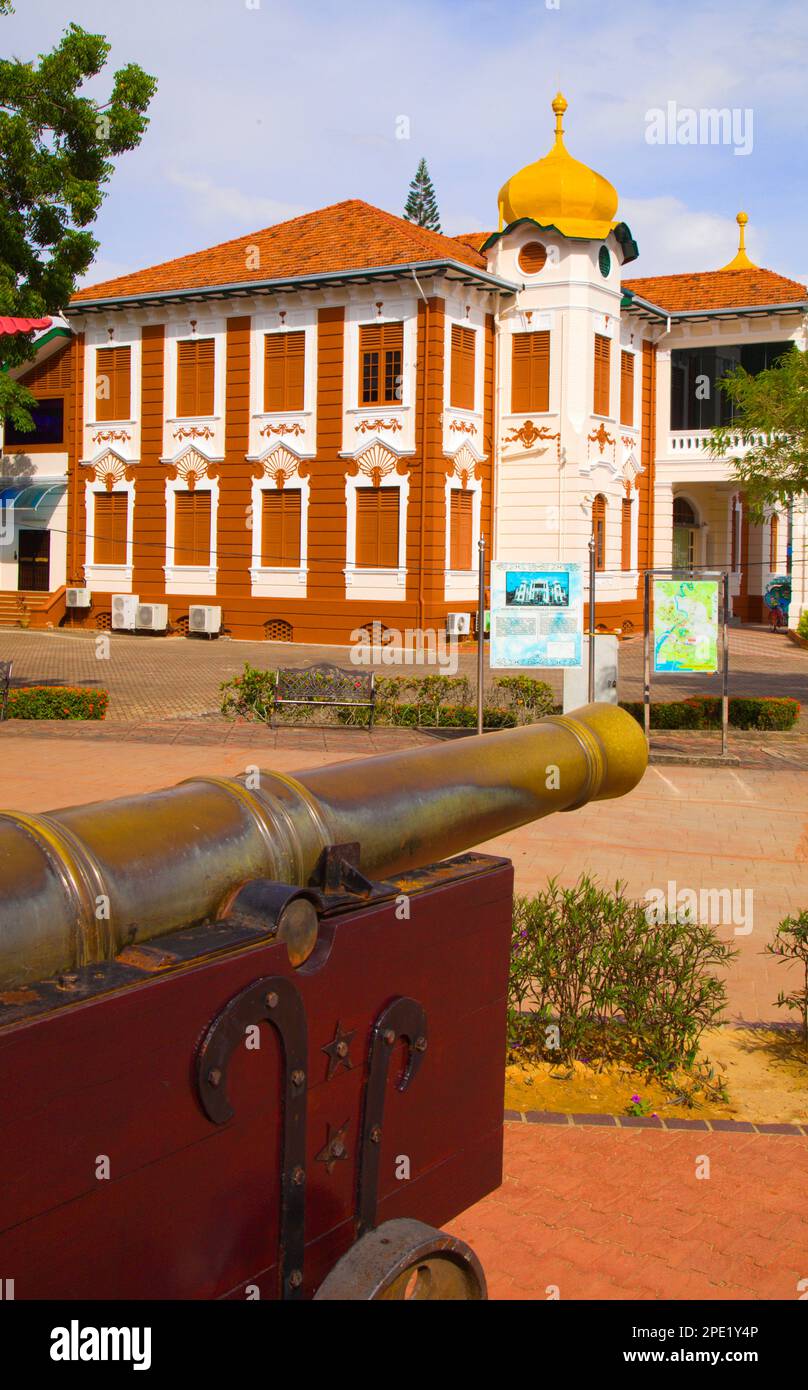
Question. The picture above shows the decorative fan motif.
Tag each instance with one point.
(281, 464)
(192, 466)
(109, 468)
(376, 463)
(464, 466)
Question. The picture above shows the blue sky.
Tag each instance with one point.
(268, 108)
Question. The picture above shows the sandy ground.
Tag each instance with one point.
(766, 1073)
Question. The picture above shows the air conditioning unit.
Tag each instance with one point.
(124, 612)
(203, 618)
(78, 598)
(458, 624)
(152, 617)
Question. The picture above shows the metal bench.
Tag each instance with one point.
(326, 685)
(6, 667)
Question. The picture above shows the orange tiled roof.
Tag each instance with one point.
(473, 239)
(346, 236)
(717, 289)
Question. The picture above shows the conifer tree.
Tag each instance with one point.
(422, 204)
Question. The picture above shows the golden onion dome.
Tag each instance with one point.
(560, 191)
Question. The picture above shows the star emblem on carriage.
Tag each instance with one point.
(335, 1148)
(338, 1051)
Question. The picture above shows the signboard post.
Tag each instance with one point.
(536, 614)
(685, 632)
(481, 635)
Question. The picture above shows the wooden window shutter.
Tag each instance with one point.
(626, 388)
(602, 359)
(111, 528)
(461, 391)
(192, 514)
(774, 526)
(461, 510)
(377, 527)
(113, 369)
(284, 370)
(530, 378)
(599, 530)
(381, 355)
(625, 535)
(280, 527)
(195, 372)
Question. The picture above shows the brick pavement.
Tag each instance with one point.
(156, 677)
(647, 1228)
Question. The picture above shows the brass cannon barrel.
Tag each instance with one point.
(77, 885)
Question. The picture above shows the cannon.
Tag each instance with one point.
(252, 1030)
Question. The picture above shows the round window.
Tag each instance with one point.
(532, 258)
(604, 261)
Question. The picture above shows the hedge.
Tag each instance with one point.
(704, 712)
(448, 716)
(57, 702)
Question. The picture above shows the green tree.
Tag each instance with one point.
(770, 415)
(421, 206)
(56, 149)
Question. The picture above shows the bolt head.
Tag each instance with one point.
(272, 1001)
(298, 1177)
(389, 1037)
(420, 1044)
(376, 1135)
(342, 1049)
(214, 1077)
(298, 1077)
(295, 1279)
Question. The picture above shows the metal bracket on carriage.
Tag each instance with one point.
(341, 881)
(276, 1001)
(403, 1018)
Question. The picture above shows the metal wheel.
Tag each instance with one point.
(406, 1260)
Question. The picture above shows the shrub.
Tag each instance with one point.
(704, 712)
(250, 694)
(590, 976)
(57, 702)
(790, 942)
(448, 716)
(526, 693)
(802, 625)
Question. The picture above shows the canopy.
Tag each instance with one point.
(31, 495)
(8, 325)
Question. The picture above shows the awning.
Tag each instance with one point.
(31, 495)
(9, 325)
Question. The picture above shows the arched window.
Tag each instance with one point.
(599, 530)
(774, 526)
(683, 513)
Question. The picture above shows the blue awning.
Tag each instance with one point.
(30, 495)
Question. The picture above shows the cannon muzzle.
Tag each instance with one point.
(78, 885)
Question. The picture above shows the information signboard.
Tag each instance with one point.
(536, 614)
(686, 625)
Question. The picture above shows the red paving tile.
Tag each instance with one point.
(660, 1240)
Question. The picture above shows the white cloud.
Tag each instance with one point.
(674, 238)
(209, 202)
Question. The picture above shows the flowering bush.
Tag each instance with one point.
(57, 702)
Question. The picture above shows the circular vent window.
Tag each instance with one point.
(532, 258)
(604, 261)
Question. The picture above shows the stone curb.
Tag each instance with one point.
(555, 1117)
